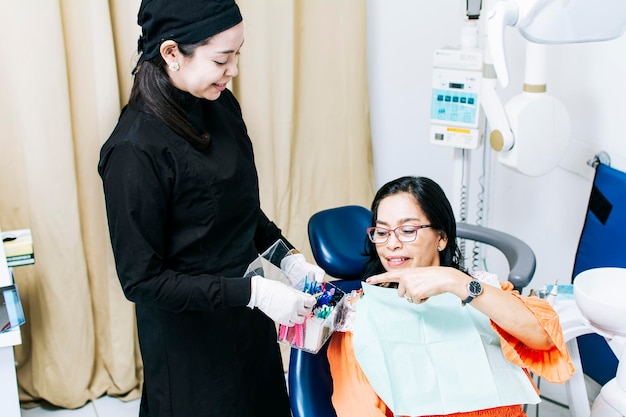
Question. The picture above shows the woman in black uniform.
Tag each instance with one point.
(185, 221)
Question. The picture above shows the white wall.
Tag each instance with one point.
(548, 211)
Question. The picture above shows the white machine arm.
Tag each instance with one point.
(552, 22)
(501, 137)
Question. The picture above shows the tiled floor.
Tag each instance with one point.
(112, 407)
(102, 407)
(555, 399)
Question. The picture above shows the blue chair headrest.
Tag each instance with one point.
(338, 240)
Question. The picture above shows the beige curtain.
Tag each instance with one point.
(303, 91)
(302, 67)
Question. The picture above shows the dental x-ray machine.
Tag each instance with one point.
(532, 132)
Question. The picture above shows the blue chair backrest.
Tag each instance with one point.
(338, 240)
(602, 244)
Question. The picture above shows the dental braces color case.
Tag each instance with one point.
(328, 311)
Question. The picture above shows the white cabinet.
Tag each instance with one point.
(9, 400)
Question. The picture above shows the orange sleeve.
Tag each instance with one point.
(352, 393)
(553, 365)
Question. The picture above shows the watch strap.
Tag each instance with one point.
(472, 293)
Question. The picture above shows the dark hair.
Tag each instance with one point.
(153, 87)
(435, 205)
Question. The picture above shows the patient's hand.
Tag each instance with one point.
(419, 284)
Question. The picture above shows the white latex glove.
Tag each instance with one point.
(280, 302)
(296, 268)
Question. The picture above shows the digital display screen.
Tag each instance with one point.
(456, 85)
(458, 107)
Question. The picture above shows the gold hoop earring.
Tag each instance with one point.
(174, 66)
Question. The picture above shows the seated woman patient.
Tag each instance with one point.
(428, 339)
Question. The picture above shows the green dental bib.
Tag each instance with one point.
(433, 358)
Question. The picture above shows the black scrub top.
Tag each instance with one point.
(184, 225)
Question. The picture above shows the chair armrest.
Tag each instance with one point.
(519, 255)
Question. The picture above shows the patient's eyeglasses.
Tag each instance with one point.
(408, 233)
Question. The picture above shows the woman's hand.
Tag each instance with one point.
(503, 308)
(419, 284)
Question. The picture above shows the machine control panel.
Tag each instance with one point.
(455, 99)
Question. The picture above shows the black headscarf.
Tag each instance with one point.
(183, 21)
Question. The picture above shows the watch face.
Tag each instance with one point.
(475, 288)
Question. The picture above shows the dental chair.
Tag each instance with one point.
(602, 244)
(601, 248)
(338, 241)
